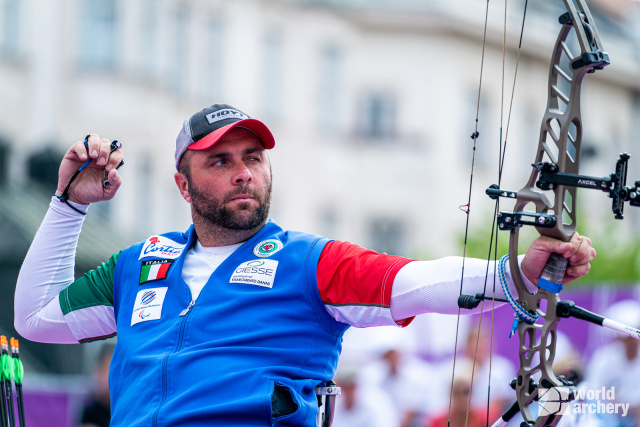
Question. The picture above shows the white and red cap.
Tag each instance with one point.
(206, 127)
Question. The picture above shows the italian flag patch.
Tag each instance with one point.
(154, 270)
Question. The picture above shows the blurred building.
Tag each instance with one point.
(371, 103)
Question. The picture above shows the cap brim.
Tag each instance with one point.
(258, 128)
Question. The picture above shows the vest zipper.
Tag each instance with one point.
(164, 390)
(165, 362)
(186, 310)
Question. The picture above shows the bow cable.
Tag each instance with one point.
(501, 155)
(491, 240)
(474, 136)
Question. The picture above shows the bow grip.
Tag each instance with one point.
(553, 273)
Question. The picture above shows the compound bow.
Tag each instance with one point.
(555, 174)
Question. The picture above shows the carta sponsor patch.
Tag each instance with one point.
(161, 247)
(154, 269)
(259, 272)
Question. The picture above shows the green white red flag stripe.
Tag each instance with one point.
(154, 270)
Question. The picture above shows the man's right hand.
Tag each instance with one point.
(87, 187)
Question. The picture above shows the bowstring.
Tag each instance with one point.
(501, 157)
(491, 240)
(501, 151)
(466, 233)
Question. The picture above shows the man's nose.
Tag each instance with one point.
(242, 175)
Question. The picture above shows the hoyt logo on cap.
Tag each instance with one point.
(208, 126)
(224, 114)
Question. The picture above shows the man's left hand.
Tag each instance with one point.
(578, 250)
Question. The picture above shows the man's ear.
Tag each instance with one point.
(183, 186)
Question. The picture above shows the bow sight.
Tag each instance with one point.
(549, 178)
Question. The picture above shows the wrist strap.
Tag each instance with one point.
(66, 201)
(64, 197)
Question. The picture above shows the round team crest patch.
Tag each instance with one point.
(267, 248)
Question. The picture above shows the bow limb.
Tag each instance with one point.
(559, 143)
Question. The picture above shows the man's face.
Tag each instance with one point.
(229, 184)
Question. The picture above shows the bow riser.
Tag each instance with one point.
(559, 142)
(551, 145)
(538, 345)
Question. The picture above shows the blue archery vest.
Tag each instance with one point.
(259, 323)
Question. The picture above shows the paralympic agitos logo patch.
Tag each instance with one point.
(148, 305)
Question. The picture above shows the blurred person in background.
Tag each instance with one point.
(569, 364)
(235, 321)
(410, 382)
(461, 413)
(97, 413)
(362, 404)
(616, 367)
(502, 372)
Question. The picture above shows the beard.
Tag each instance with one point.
(243, 217)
